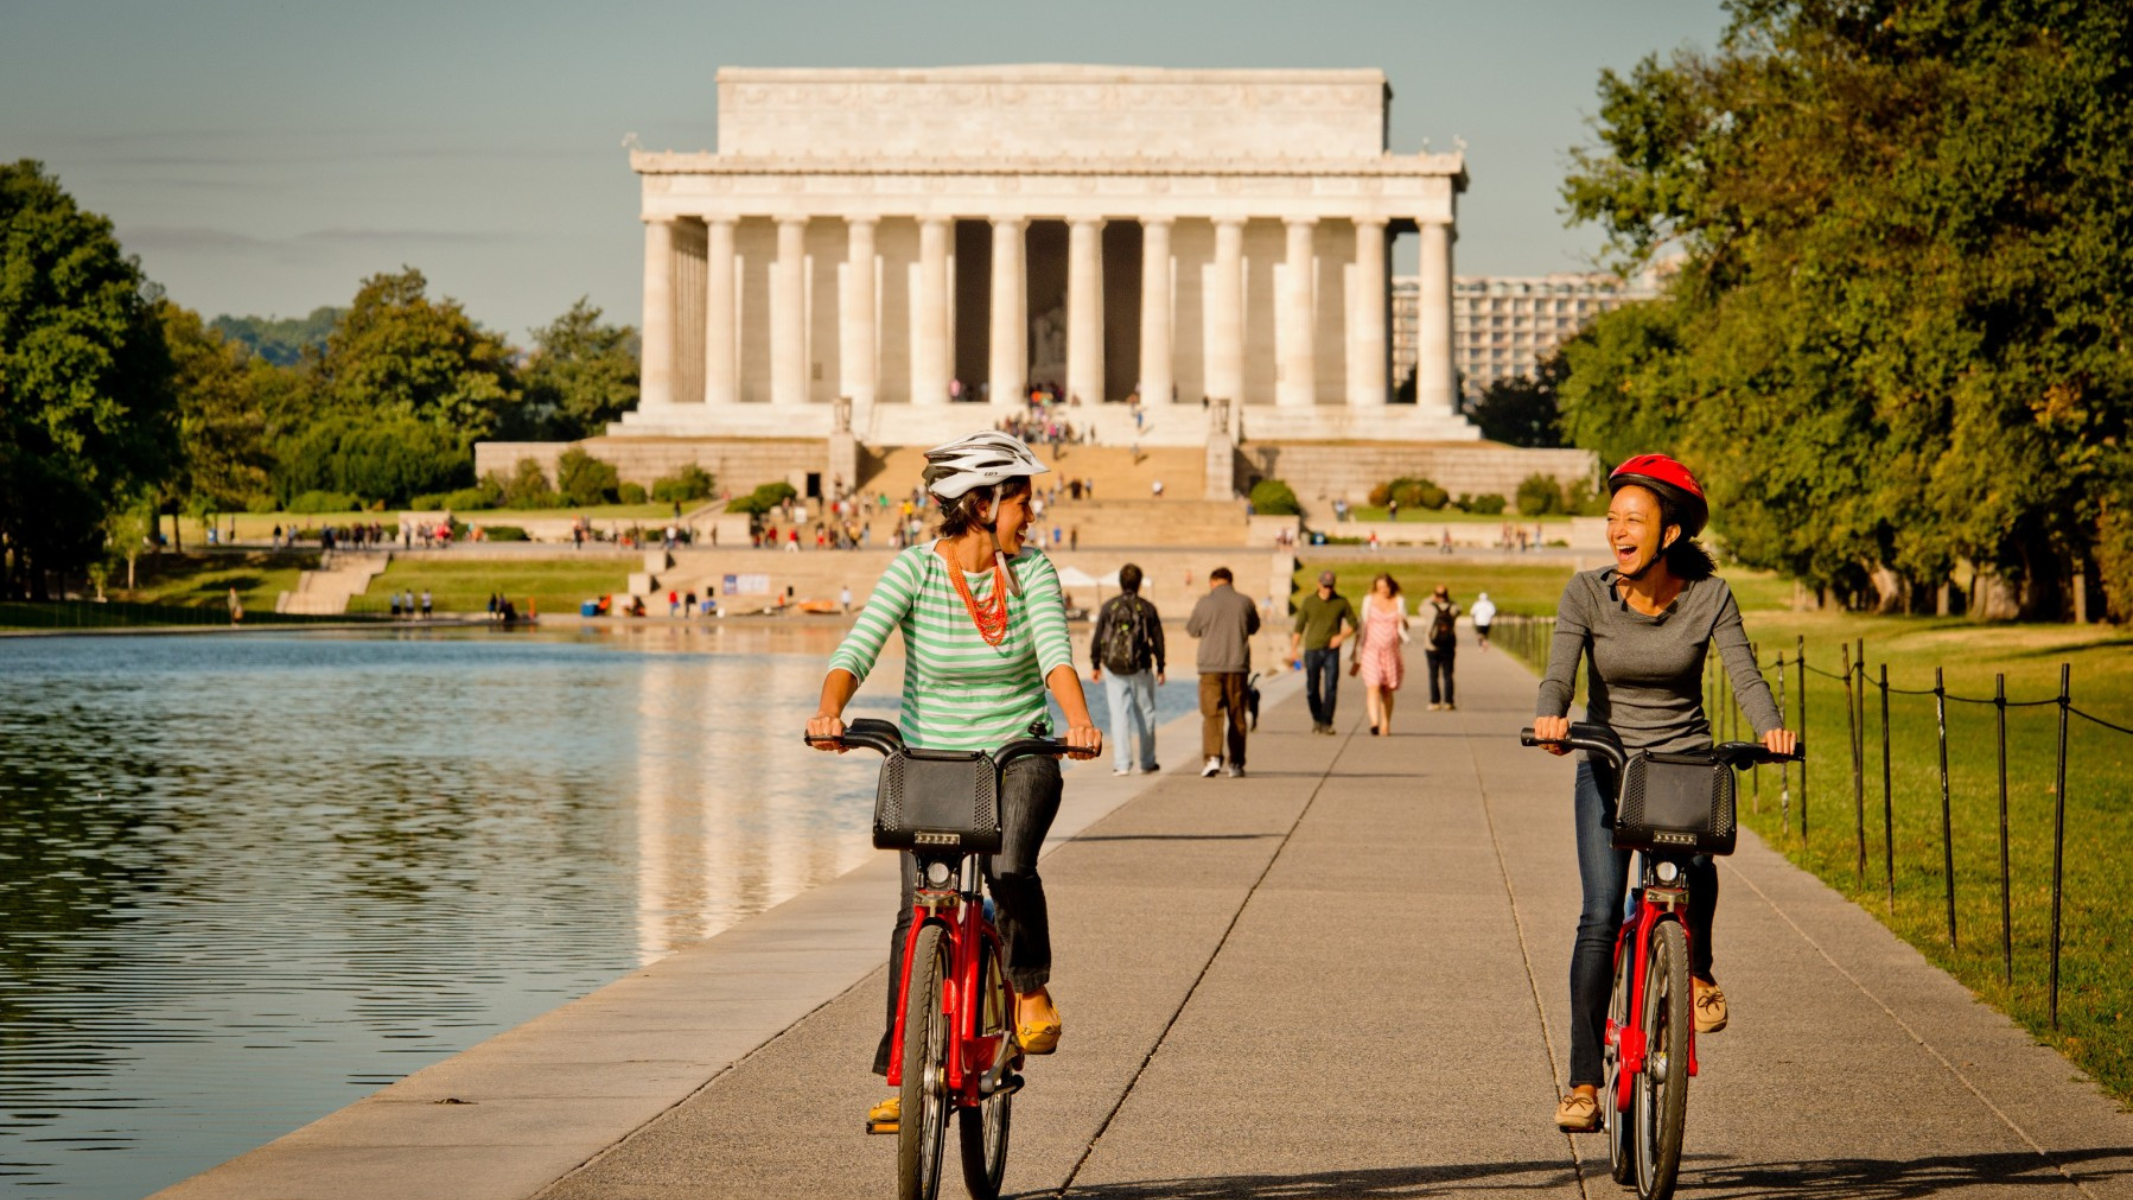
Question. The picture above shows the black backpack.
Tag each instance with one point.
(1125, 648)
(1442, 634)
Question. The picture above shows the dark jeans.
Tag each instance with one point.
(1440, 667)
(1029, 799)
(1322, 683)
(1604, 871)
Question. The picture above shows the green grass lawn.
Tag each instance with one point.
(260, 526)
(464, 586)
(205, 580)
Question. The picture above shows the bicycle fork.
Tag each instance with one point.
(1631, 1040)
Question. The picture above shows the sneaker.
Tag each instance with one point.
(1451, 708)
(1578, 1113)
(1152, 769)
(1710, 1006)
(1233, 772)
(1122, 770)
(1208, 771)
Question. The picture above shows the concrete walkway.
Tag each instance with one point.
(1342, 976)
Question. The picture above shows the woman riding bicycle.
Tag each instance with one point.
(984, 627)
(1642, 625)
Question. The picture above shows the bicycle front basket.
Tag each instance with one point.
(938, 799)
(1680, 802)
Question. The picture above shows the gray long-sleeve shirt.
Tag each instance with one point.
(1224, 621)
(1644, 676)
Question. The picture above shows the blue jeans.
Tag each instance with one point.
(1604, 872)
(1322, 683)
(1132, 701)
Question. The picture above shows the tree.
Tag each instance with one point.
(398, 353)
(581, 375)
(282, 341)
(221, 430)
(1522, 411)
(87, 411)
(1896, 339)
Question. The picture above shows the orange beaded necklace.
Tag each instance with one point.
(990, 616)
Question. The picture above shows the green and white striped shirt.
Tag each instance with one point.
(959, 692)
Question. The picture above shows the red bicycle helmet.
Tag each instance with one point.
(1671, 481)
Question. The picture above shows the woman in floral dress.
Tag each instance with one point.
(1377, 652)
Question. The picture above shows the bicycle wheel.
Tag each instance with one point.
(984, 1128)
(1662, 1090)
(1621, 1152)
(922, 1130)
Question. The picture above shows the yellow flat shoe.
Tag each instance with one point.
(886, 1116)
(1038, 1037)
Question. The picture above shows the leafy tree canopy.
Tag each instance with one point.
(223, 457)
(581, 375)
(282, 341)
(1522, 411)
(396, 352)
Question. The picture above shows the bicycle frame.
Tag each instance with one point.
(976, 1066)
(1655, 903)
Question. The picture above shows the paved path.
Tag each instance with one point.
(1345, 976)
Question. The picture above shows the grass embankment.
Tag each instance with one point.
(463, 586)
(260, 526)
(205, 580)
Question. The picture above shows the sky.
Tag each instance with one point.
(263, 156)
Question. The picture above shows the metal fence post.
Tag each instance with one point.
(1999, 709)
(1859, 755)
(1784, 768)
(1799, 662)
(1851, 748)
(1888, 816)
(1947, 841)
(1755, 773)
(2059, 833)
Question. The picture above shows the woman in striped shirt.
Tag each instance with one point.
(984, 627)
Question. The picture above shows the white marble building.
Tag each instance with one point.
(896, 236)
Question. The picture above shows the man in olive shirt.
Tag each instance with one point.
(1324, 620)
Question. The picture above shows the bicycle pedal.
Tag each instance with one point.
(882, 1127)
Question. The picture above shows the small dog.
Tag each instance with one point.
(1251, 700)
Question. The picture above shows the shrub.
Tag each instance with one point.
(325, 502)
(503, 533)
(582, 479)
(763, 499)
(1419, 493)
(690, 483)
(1489, 504)
(1540, 496)
(630, 493)
(1272, 498)
(527, 487)
(1381, 495)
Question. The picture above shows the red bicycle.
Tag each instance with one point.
(953, 1042)
(1668, 806)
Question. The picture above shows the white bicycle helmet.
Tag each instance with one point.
(981, 460)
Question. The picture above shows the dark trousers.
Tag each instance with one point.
(1223, 705)
(1440, 667)
(1029, 799)
(1604, 871)
(1322, 683)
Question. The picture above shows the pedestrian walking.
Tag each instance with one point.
(1441, 647)
(844, 598)
(1484, 614)
(425, 604)
(1224, 621)
(1324, 620)
(1128, 643)
(1379, 657)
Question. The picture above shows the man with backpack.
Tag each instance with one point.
(1128, 643)
(1440, 645)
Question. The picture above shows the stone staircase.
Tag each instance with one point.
(326, 591)
(1117, 471)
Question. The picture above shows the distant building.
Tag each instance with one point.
(1503, 326)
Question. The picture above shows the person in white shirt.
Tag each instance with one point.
(1483, 614)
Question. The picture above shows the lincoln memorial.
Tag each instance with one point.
(922, 242)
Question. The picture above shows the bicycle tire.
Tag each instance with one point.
(984, 1128)
(923, 1127)
(1662, 1101)
(1620, 1124)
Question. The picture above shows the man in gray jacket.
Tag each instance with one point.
(1224, 622)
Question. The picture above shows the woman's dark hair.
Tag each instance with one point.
(1686, 558)
(967, 511)
(1392, 585)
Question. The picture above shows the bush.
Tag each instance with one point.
(1540, 496)
(503, 533)
(630, 493)
(1381, 495)
(391, 458)
(690, 483)
(1272, 498)
(763, 499)
(325, 502)
(527, 487)
(581, 479)
(1419, 493)
(1487, 505)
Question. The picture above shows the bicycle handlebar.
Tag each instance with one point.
(1600, 740)
(882, 737)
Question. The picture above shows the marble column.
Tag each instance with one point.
(1085, 311)
(655, 372)
(1295, 329)
(1156, 376)
(1008, 365)
(857, 343)
(721, 339)
(788, 315)
(930, 367)
(1433, 334)
(1367, 363)
(1225, 314)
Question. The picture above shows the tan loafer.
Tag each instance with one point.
(1710, 1006)
(1578, 1113)
(886, 1117)
(1038, 1037)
